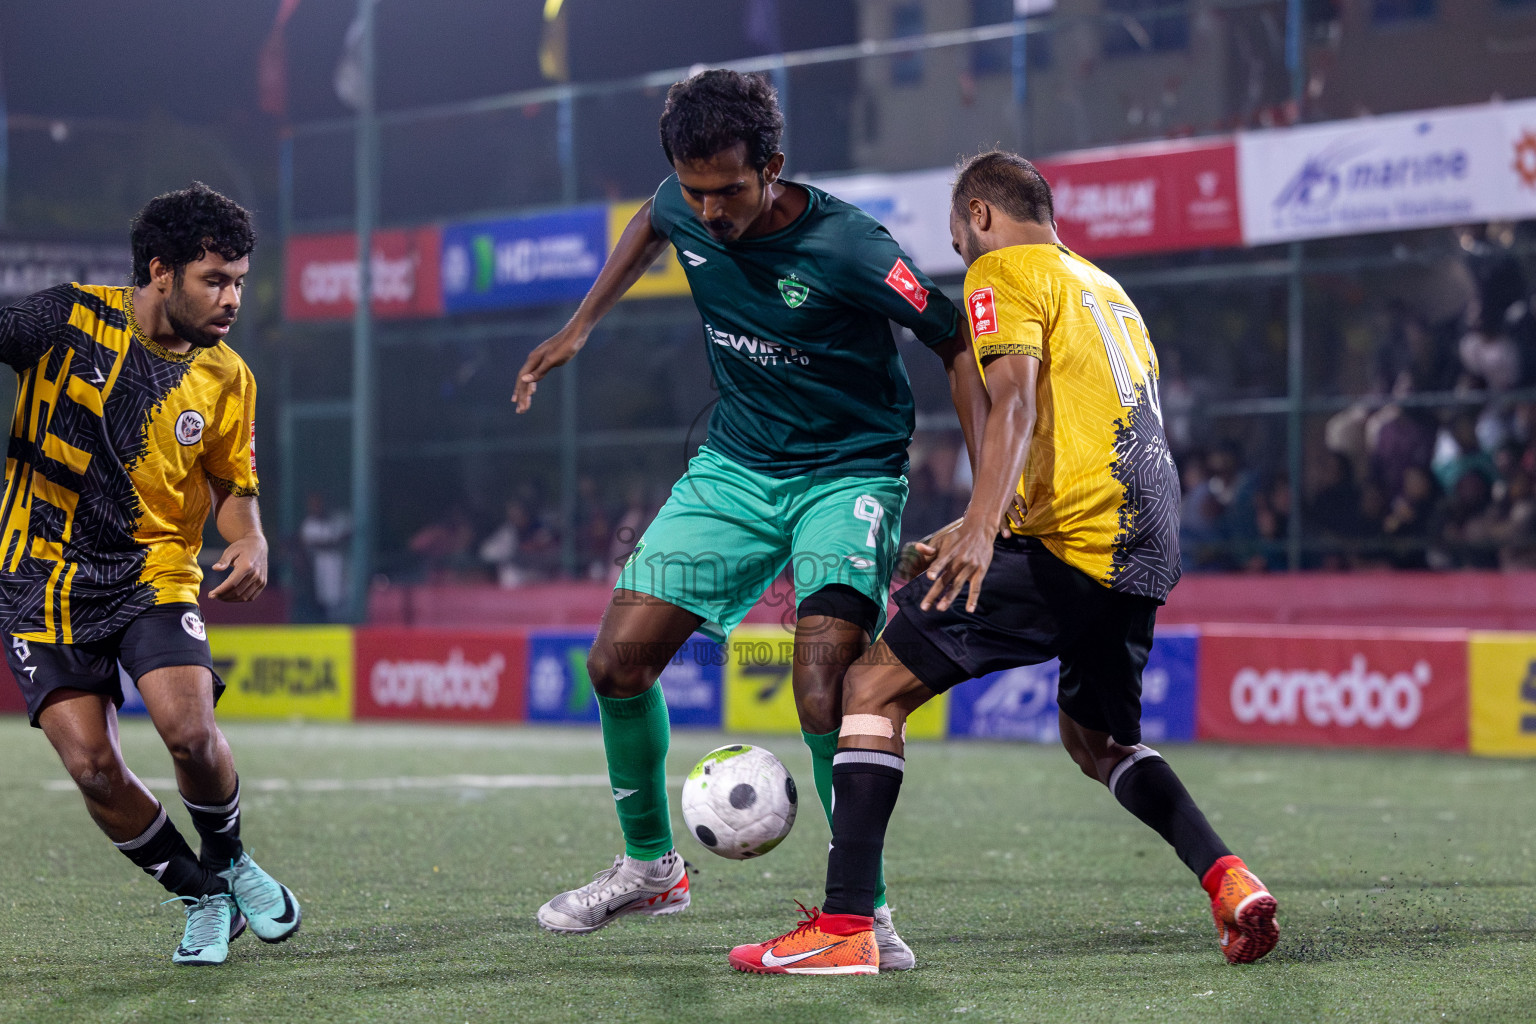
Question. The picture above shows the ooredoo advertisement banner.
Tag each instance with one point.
(1421, 169)
(320, 279)
(1334, 687)
(454, 675)
(1020, 704)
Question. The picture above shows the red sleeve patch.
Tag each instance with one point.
(983, 310)
(904, 281)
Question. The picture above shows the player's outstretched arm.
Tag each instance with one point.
(963, 556)
(638, 247)
(238, 518)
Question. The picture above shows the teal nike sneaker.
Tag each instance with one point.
(268, 904)
(212, 923)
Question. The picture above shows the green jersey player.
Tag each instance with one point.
(803, 464)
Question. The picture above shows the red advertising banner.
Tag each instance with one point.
(455, 675)
(1147, 198)
(321, 276)
(1333, 687)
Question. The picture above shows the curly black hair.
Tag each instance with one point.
(180, 227)
(1008, 182)
(716, 109)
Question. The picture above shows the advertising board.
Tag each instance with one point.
(456, 675)
(1334, 687)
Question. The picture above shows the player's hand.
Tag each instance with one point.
(962, 558)
(557, 351)
(917, 555)
(246, 560)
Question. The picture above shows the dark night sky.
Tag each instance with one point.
(196, 60)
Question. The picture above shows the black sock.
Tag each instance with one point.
(165, 856)
(219, 826)
(865, 785)
(1147, 787)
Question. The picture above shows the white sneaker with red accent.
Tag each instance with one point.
(654, 888)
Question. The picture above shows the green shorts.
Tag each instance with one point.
(726, 532)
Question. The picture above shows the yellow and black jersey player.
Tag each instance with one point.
(134, 422)
(1068, 547)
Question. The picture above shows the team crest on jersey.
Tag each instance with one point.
(794, 290)
(983, 310)
(904, 281)
(189, 427)
(193, 624)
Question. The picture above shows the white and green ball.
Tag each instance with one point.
(739, 801)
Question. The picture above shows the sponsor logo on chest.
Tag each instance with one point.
(189, 427)
(763, 353)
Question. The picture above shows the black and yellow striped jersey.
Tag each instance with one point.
(114, 444)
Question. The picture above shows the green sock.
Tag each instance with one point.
(823, 747)
(635, 737)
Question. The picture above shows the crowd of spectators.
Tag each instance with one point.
(1433, 467)
(1422, 454)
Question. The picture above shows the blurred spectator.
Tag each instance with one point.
(594, 530)
(325, 535)
(443, 547)
(1410, 518)
(500, 548)
(1457, 452)
(1456, 521)
(628, 529)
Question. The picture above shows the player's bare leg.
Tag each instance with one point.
(1145, 785)
(878, 695)
(638, 637)
(83, 730)
(179, 699)
(180, 703)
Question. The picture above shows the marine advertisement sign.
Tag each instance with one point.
(1421, 169)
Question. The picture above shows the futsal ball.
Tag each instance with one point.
(739, 801)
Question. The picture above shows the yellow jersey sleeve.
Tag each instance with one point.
(1006, 317)
(229, 455)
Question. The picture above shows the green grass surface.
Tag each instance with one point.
(1407, 888)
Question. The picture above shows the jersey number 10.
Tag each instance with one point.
(1118, 367)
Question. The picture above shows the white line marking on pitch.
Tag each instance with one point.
(376, 785)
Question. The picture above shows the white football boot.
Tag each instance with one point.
(653, 888)
(895, 955)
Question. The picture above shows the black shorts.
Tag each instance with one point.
(1035, 607)
(164, 636)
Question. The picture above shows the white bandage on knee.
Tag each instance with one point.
(870, 725)
(1125, 766)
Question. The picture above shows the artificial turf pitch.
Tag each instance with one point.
(1407, 889)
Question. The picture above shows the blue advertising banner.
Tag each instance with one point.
(1020, 704)
(523, 261)
(559, 689)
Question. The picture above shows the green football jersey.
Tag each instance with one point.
(799, 336)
